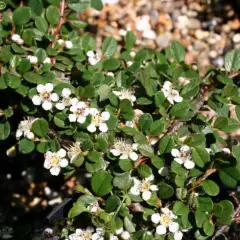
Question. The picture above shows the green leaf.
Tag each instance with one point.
(157, 127)
(144, 171)
(166, 144)
(53, 15)
(40, 127)
(122, 181)
(220, 123)
(178, 51)
(77, 209)
(5, 129)
(32, 77)
(111, 64)
(129, 226)
(157, 162)
(81, 6)
(205, 204)
(22, 15)
(24, 66)
(109, 47)
(97, 4)
(125, 164)
(232, 126)
(200, 156)
(40, 54)
(2, 5)
(200, 217)
(112, 203)
(223, 209)
(230, 176)
(230, 90)
(36, 6)
(237, 110)
(236, 152)
(210, 187)
(208, 228)
(180, 110)
(145, 121)
(41, 24)
(159, 99)
(165, 191)
(94, 156)
(179, 208)
(103, 92)
(130, 40)
(232, 61)
(101, 183)
(146, 150)
(26, 146)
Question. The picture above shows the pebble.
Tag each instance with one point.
(164, 40)
(236, 38)
(200, 34)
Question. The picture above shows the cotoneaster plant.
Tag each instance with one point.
(154, 140)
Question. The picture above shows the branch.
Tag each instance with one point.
(223, 228)
(61, 21)
(199, 104)
(234, 75)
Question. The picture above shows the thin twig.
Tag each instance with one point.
(61, 21)
(234, 75)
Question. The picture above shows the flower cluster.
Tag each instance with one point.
(17, 39)
(25, 128)
(93, 58)
(170, 93)
(66, 44)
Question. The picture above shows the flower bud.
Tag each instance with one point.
(68, 44)
(125, 235)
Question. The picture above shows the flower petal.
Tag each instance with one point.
(178, 235)
(47, 105)
(54, 97)
(60, 106)
(62, 153)
(105, 116)
(81, 119)
(40, 88)
(19, 133)
(74, 101)
(133, 156)
(185, 148)
(72, 117)
(36, 100)
(178, 99)
(155, 218)
(103, 127)
(30, 135)
(63, 162)
(153, 187)
(178, 160)
(146, 195)
(49, 87)
(135, 191)
(167, 85)
(55, 171)
(93, 111)
(160, 230)
(66, 92)
(90, 54)
(115, 152)
(92, 128)
(175, 152)
(47, 164)
(189, 164)
(173, 227)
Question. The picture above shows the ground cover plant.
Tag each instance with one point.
(153, 141)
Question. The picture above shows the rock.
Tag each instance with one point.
(236, 38)
(194, 23)
(213, 54)
(164, 40)
(200, 34)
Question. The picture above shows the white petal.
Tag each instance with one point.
(19, 133)
(153, 187)
(146, 195)
(93, 111)
(189, 164)
(68, 44)
(30, 135)
(54, 97)
(173, 227)
(47, 60)
(66, 92)
(91, 128)
(72, 117)
(64, 162)
(167, 85)
(133, 98)
(81, 105)
(62, 153)
(103, 127)
(116, 93)
(133, 156)
(41, 88)
(178, 235)
(135, 146)
(175, 152)
(15, 37)
(160, 230)
(178, 160)
(73, 109)
(163, 171)
(90, 54)
(36, 100)
(49, 87)
(170, 99)
(185, 148)
(105, 116)
(55, 171)
(135, 191)
(165, 210)
(74, 101)
(81, 120)
(119, 231)
(125, 235)
(60, 106)
(150, 178)
(115, 152)
(47, 105)
(155, 218)
(47, 164)
(178, 99)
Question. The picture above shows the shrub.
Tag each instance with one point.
(154, 140)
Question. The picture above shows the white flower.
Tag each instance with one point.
(74, 151)
(61, 42)
(125, 235)
(45, 96)
(166, 220)
(15, 37)
(79, 111)
(170, 93)
(98, 120)
(125, 149)
(113, 237)
(68, 44)
(66, 100)
(93, 58)
(129, 63)
(93, 207)
(32, 59)
(24, 128)
(55, 161)
(47, 60)
(132, 54)
(125, 94)
(87, 234)
(183, 156)
(20, 41)
(144, 187)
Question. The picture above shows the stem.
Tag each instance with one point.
(234, 75)
(61, 20)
